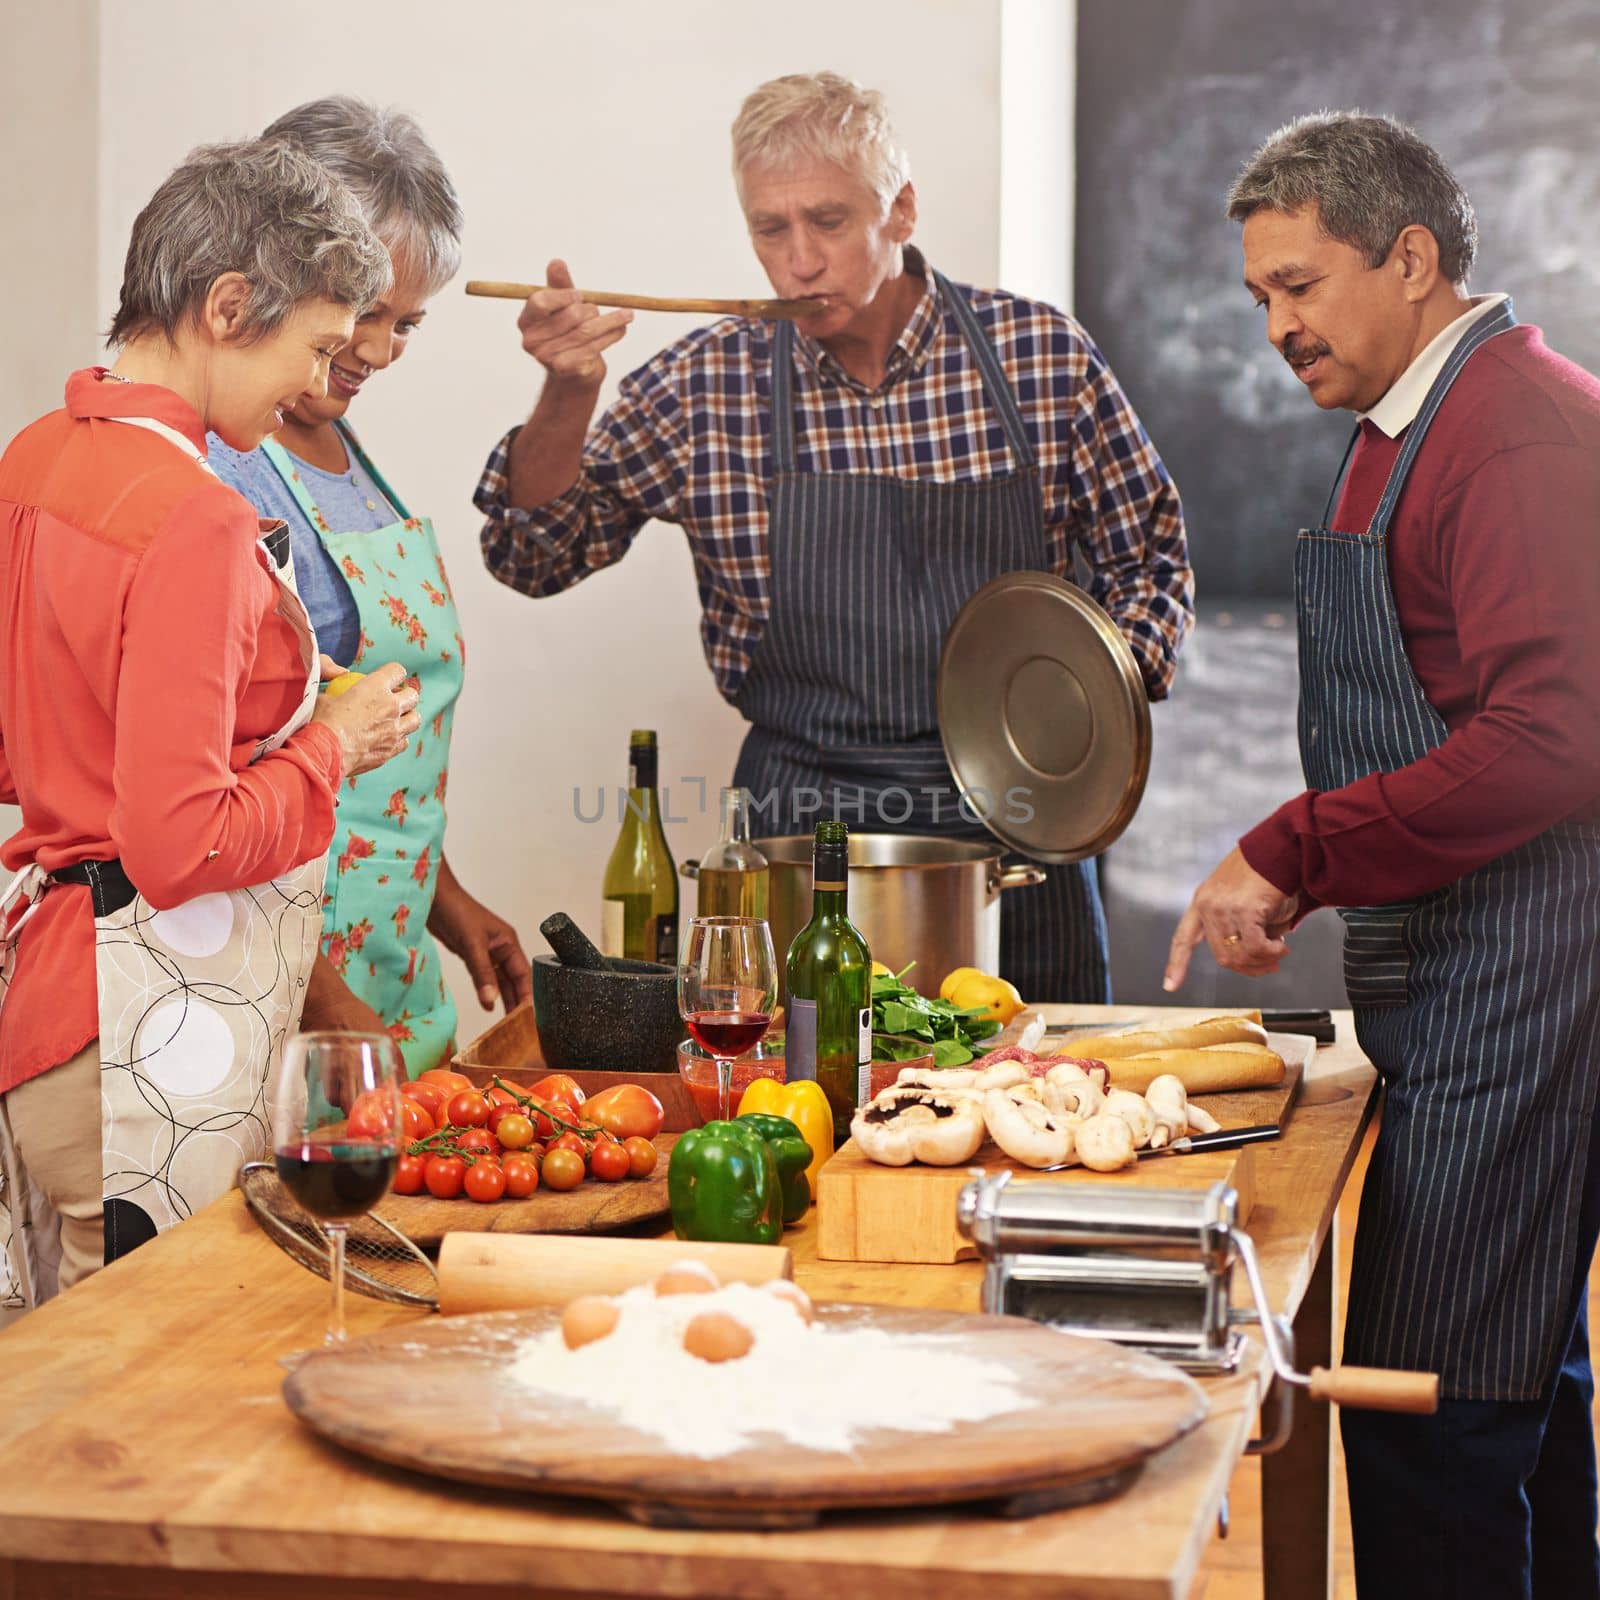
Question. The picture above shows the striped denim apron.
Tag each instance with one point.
(868, 573)
(1479, 1004)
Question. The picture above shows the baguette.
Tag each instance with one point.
(1193, 1036)
(1212, 1070)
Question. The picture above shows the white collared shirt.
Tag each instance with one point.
(1399, 407)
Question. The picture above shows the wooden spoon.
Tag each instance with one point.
(642, 302)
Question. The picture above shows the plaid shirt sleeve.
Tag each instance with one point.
(1118, 503)
(632, 472)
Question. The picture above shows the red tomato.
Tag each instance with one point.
(628, 1110)
(374, 1114)
(444, 1176)
(485, 1181)
(515, 1131)
(558, 1086)
(467, 1109)
(479, 1140)
(522, 1174)
(570, 1141)
(408, 1175)
(428, 1095)
(609, 1163)
(641, 1157)
(415, 1121)
(450, 1082)
(563, 1169)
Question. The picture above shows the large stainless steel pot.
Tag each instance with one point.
(932, 901)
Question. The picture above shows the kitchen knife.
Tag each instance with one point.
(1223, 1139)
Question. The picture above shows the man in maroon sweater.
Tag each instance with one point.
(1449, 618)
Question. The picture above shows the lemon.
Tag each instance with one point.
(953, 981)
(346, 681)
(880, 971)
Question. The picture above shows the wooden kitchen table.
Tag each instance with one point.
(147, 1451)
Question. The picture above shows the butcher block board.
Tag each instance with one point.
(868, 1212)
(1093, 1413)
(593, 1207)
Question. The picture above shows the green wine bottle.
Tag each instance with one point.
(640, 911)
(829, 1025)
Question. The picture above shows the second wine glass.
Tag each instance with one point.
(727, 990)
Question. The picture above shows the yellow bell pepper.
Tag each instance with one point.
(805, 1104)
(996, 998)
(953, 981)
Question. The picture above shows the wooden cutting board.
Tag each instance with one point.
(1094, 1413)
(592, 1207)
(868, 1212)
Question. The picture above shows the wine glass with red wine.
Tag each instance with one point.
(727, 990)
(336, 1124)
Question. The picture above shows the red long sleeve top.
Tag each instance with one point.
(141, 658)
(1494, 560)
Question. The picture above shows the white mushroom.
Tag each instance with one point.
(1201, 1120)
(906, 1123)
(937, 1077)
(1135, 1111)
(1072, 1092)
(1002, 1075)
(1169, 1102)
(1026, 1128)
(1104, 1143)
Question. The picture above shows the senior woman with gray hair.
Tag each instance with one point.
(375, 586)
(160, 727)
(846, 485)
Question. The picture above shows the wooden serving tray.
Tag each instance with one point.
(868, 1212)
(1096, 1414)
(593, 1207)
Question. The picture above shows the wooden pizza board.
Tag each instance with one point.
(1094, 1413)
(868, 1212)
(593, 1207)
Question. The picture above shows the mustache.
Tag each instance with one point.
(1295, 351)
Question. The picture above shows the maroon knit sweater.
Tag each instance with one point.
(1494, 560)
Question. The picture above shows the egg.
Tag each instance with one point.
(588, 1318)
(687, 1277)
(792, 1294)
(715, 1336)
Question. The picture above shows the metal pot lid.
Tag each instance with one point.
(1042, 709)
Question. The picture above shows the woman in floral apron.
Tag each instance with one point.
(159, 725)
(375, 585)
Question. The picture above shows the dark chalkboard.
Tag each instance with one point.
(1172, 99)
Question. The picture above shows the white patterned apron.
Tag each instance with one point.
(195, 1003)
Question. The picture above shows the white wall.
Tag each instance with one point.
(598, 132)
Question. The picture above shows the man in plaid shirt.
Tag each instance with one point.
(845, 484)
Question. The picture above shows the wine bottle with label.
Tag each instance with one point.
(640, 909)
(733, 874)
(829, 1024)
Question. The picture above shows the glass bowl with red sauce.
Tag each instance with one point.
(699, 1072)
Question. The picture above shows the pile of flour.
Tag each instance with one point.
(814, 1386)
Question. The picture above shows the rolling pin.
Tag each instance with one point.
(510, 1271)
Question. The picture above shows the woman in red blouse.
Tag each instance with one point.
(159, 724)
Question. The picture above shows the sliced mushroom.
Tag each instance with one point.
(1026, 1128)
(1169, 1102)
(1072, 1092)
(907, 1123)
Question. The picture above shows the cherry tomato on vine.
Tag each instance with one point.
(609, 1162)
(444, 1176)
(479, 1140)
(570, 1141)
(522, 1174)
(485, 1181)
(563, 1169)
(408, 1175)
(515, 1131)
(641, 1157)
(468, 1109)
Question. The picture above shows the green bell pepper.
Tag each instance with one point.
(722, 1183)
(794, 1156)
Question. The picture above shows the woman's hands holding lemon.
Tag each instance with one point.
(373, 716)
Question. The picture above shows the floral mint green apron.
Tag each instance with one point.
(390, 833)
